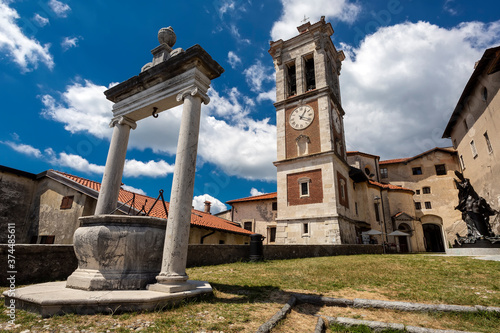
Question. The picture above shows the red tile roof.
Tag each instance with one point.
(198, 218)
(266, 196)
(448, 150)
(395, 160)
(389, 186)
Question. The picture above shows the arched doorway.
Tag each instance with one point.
(403, 241)
(433, 238)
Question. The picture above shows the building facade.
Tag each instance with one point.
(45, 209)
(474, 129)
(430, 176)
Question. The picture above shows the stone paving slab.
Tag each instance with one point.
(53, 298)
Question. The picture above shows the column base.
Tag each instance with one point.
(172, 288)
(87, 279)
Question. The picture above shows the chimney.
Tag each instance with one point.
(207, 206)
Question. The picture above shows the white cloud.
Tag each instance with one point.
(75, 162)
(24, 51)
(254, 192)
(134, 168)
(60, 9)
(40, 20)
(267, 95)
(233, 59)
(448, 7)
(294, 12)
(257, 74)
(133, 189)
(68, 43)
(23, 149)
(216, 205)
(246, 150)
(237, 144)
(83, 108)
(225, 7)
(402, 83)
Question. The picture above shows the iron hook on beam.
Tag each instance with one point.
(154, 114)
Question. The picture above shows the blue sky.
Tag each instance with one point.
(407, 63)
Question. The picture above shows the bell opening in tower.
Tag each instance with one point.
(291, 80)
(310, 75)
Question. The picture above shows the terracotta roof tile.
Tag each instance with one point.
(145, 203)
(389, 186)
(448, 150)
(266, 196)
(396, 160)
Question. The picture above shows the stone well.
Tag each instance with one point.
(117, 252)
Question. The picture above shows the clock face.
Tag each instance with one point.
(301, 117)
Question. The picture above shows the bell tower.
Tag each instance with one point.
(313, 175)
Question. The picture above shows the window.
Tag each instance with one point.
(488, 143)
(221, 242)
(67, 202)
(304, 187)
(384, 173)
(417, 192)
(291, 80)
(484, 94)
(272, 234)
(342, 189)
(426, 190)
(247, 225)
(274, 206)
(428, 205)
(473, 149)
(416, 171)
(462, 163)
(440, 169)
(418, 206)
(310, 76)
(356, 207)
(466, 126)
(377, 213)
(305, 228)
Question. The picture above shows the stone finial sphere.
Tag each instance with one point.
(167, 36)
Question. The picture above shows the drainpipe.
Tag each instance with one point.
(209, 234)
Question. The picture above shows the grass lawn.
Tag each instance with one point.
(248, 294)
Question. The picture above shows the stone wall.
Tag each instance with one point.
(16, 192)
(39, 263)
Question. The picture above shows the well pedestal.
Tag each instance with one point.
(117, 252)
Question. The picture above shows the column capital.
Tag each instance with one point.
(122, 120)
(195, 92)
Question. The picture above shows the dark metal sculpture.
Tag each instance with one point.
(476, 213)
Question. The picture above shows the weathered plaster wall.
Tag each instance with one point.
(483, 116)
(260, 213)
(443, 195)
(16, 193)
(51, 219)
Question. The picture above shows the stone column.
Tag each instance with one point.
(173, 277)
(112, 178)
